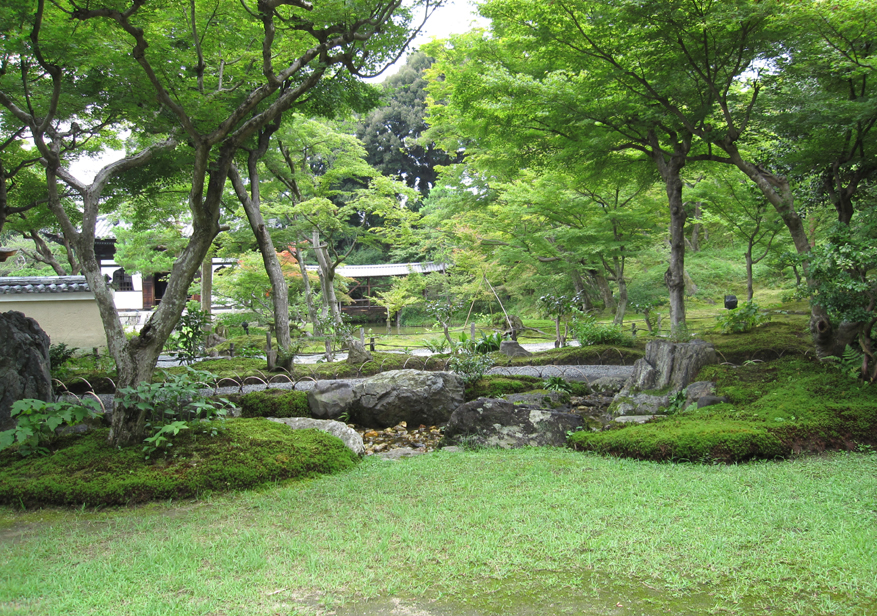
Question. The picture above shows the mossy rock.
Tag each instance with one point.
(84, 470)
(275, 403)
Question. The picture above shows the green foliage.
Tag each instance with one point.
(488, 343)
(556, 306)
(38, 421)
(246, 285)
(187, 341)
(60, 354)
(176, 400)
(850, 364)
(676, 403)
(162, 437)
(557, 383)
(844, 268)
(437, 345)
(85, 470)
(275, 403)
(589, 332)
(470, 365)
(742, 319)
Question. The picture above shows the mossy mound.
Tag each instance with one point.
(497, 386)
(575, 356)
(275, 403)
(764, 343)
(777, 408)
(84, 470)
(694, 441)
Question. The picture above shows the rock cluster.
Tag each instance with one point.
(388, 398)
(384, 406)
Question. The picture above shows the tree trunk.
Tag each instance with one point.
(309, 297)
(135, 358)
(207, 285)
(621, 309)
(749, 289)
(603, 286)
(695, 228)
(670, 168)
(252, 203)
(327, 280)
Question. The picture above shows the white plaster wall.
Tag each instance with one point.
(71, 318)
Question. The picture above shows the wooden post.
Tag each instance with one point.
(269, 352)
(231, 349)
(371, 344)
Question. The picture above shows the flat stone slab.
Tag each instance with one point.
(634, 418)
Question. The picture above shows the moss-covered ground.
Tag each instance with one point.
(777, 408)
(82, 470)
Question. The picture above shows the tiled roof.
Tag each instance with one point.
(390, 269)
(43, 284)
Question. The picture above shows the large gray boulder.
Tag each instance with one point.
(348, 435)
(24, 363)
(413, 396)
(667, 368)
(490, 422)
(330, 399)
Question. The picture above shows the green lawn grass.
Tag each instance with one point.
(487, 532)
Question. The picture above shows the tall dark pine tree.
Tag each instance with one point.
(391, 133)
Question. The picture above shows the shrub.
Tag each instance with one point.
(557, 383)
(471, 366)
(588, 332)
(742, 319)
(275, 403)
(170, 404)
(60, 354)
(187, 340)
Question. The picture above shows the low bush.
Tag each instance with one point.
(588, 332)
(743, 319)
(470, 365)
(84, 470)
(275, 403)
